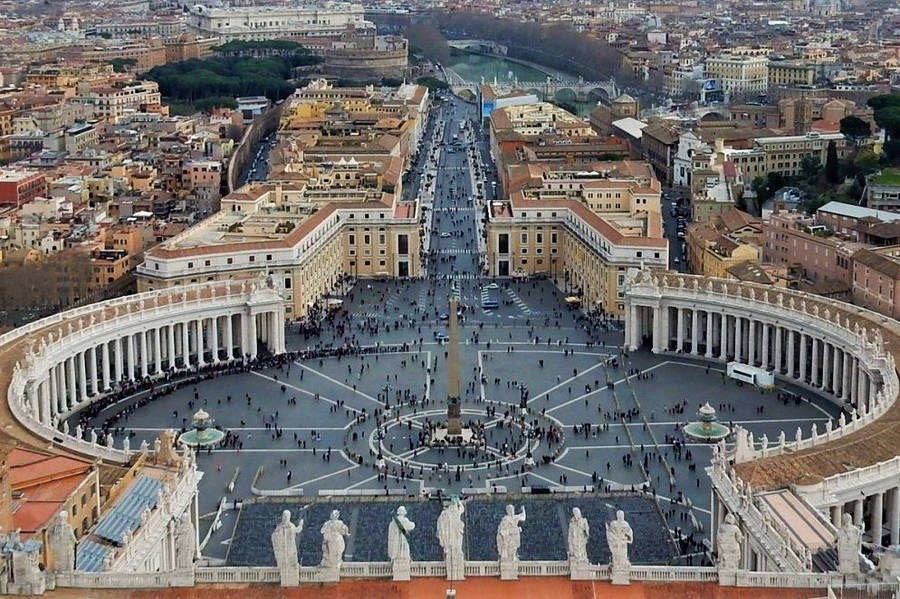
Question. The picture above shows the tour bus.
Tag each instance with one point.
(760, 377)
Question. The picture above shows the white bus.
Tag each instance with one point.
(751, 374)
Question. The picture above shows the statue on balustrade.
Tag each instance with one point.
(579, 531)
(509, 535)
(185, 541)
(619, 536)
(398, 536)
(728, 544)
(284, 545)
(849, 542)
(333, 533)
(398, 544)
(61, 542)
(450, 532)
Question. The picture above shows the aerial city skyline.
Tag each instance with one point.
(450, 299)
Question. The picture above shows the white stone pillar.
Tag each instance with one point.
(185, 344)
(845, 383)
(738, 338)
(45, 401)
(875, 510)
(723, 337)
(858, 513)
(129, 353)
(802, 376)
(251, 335)
(779, 363)
(695, 331)
(657, 330)
(120, 359)
(854, 382)
(54, 391)
(630, 327)
(826, 365)
(751, 342)
(82, 376)
(814, 369)
(665, 329)
(214, 338)
(105, 366)
(836, 511)
(709, 334)
(895, 516)
(170, 356)
(157, 350)
(70, 379)
(791, 357)
(201, 361)
(145, 359)
(836, 370)
(765, 345)
(229, 338)
(92, 370)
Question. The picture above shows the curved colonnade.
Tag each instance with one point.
(833, 348)
(60, 364)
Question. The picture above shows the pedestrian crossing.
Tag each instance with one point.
(518, 301)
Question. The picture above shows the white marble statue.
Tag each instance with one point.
(284, 545)
(185, 541)
(333, 533)
(849, 541)
(579, 531)
(619, 536)
(61, 542)
(728, 544)
(398, 535)
(509, 535)
(450, 533)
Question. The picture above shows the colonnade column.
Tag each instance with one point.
(105, 365)
(129, 353)
(802, 376)
(185, 345)
(845, 384)
(92, 370)
(895, 516)
(201, 361)
(778, 362)
(170, 358)
(826, 365)
(695, 331)
(836, 374)
(814, 367)
(738, 332)
(251, 336)
(214, 338)
(751, 342)
(54, 392)
(144, 359)
(657, 330)
(765, 345)
(709, 334)
(876, 523)
(120, 369)
(70, 378)
(836, 512)
(229, 338)
(82, 375)
(858, 513)
(157, 350)
(723, 337)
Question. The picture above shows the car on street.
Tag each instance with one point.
(441, 336)
(490, 304)
(492, 286)
(445, 234)
(443, 316)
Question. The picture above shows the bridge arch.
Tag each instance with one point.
(566, 94)
(599, 94)
(715, 115)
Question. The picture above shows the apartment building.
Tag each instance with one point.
(268, 22)
(876, 280)
(785, 154)
(112, 102)
(791, 72)
(728, 239)
(20, 187)
(883, 190)
(739, 74)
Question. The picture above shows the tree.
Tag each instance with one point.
(432, 83)
(430, 40)
(855, 128)
(866, 162)
(832, 172)
(889, 119)
(883, 101)
(810, 166)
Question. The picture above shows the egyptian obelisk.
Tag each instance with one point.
(454, 427)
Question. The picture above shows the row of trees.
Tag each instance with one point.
(887, 116)
(50, 284)
(191, 81)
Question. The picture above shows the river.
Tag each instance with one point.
(474, 67)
